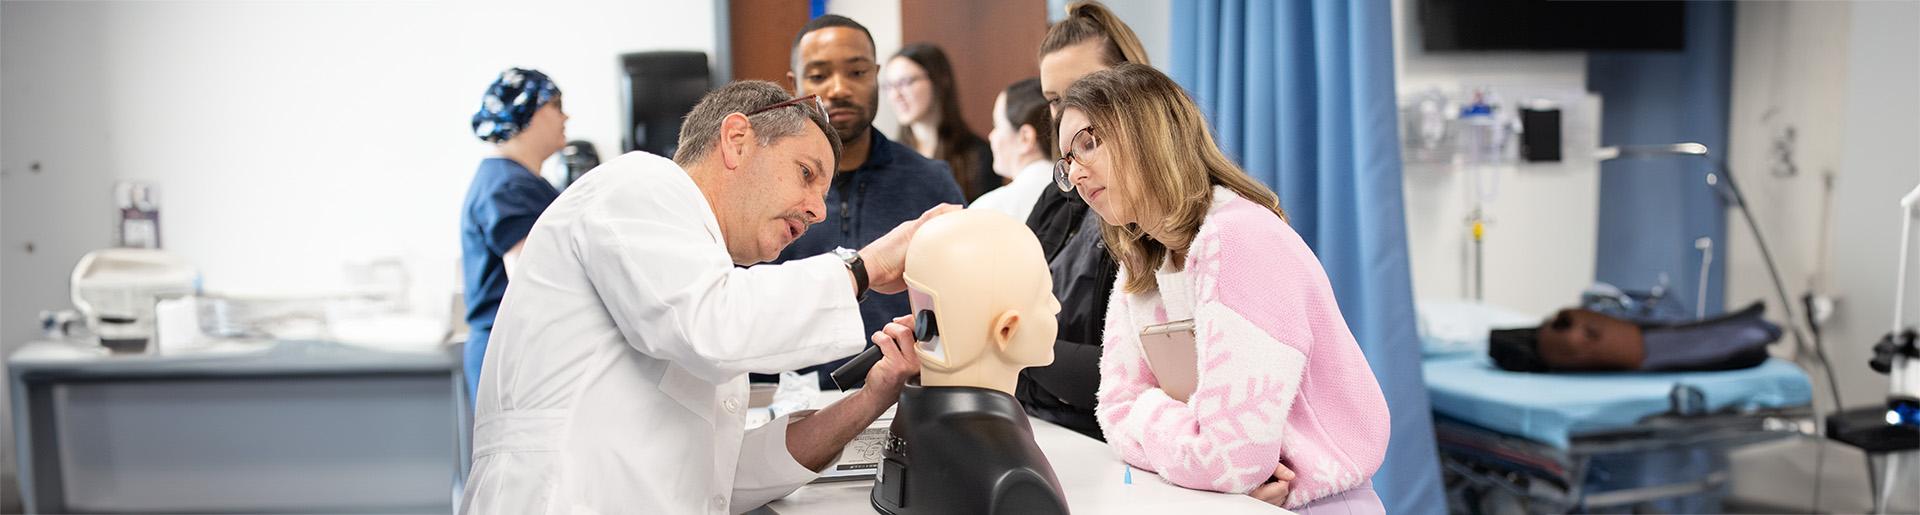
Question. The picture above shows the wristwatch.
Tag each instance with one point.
(858, 267)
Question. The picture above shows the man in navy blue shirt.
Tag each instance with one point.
(879, 183)
(521, 116)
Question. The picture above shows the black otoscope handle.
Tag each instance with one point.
(850, 374)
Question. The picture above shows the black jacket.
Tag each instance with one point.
(1083, 276)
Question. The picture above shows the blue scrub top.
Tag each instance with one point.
(500, 209)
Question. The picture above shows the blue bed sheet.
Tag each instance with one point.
(1550, 408)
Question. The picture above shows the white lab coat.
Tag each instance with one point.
(615, 380)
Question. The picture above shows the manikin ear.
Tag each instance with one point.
(1003, 328)
(736, 137)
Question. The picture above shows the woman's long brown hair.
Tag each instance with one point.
(1162, 155)
(957, 145)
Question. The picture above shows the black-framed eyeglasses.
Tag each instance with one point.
(1080, 148)
(794, 102)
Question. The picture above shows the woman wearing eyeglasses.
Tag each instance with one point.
(919, 81)
(1276, 376)
(1091, 38)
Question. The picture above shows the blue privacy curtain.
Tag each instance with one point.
(1301, 93)
(1651, 210)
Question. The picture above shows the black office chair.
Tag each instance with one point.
(579, 157)
(661, 88)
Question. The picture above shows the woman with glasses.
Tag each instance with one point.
(1091, 38)
(919, 81)
(1206, 252)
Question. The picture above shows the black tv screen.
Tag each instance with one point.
(1552, 25)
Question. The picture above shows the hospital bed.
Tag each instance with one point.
(1515, 442)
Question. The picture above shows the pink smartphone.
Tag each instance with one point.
(1172, 356)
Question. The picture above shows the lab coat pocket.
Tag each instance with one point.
(693, 393)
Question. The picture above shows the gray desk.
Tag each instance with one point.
(271, 427)
(1092, 476)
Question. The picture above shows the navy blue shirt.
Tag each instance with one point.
(895, 185)
(501, 205)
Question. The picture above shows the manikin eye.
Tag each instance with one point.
(924, 326)
(927, 331)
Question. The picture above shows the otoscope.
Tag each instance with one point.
(850, 374)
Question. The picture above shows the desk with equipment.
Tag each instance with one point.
(266, 426)
(1092, 476)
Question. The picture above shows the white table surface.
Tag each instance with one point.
(1092, 476)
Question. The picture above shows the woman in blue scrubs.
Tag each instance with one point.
(521, 116)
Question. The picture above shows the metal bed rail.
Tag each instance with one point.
(1490, 472)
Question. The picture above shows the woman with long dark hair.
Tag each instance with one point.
(919, 80)
(1090, 39)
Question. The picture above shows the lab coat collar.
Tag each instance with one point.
(684, 178)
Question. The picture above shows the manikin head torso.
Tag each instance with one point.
(984, 279)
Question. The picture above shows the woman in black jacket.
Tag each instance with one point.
(1089, 40)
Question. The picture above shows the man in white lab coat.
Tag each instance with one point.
(616, 379)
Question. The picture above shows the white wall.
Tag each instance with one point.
(287, 139)
(1844, 76)
(1151, 20)
(1789, 73)
(1540, 243)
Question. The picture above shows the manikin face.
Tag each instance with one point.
(1029, 340)
(921, 302)
(1033, 345)
(1578, 339)
(983, 278)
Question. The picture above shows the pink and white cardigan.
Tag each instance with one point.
(1280, 377)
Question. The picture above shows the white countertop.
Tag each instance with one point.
(1092, 476)
(231, 357)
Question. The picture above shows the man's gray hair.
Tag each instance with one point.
(700, 132)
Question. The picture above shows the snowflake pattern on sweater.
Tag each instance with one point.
(1280, 375)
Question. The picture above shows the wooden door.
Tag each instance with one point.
(760, 33)
(992, 43)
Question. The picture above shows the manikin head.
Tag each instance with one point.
(983, 278)
(1580, 339)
